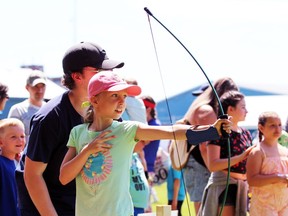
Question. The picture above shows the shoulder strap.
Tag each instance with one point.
(178, 154)
(262, 150)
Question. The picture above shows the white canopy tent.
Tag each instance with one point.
(258, 104)
(15, 79)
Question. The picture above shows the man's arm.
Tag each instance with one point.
(37, 188)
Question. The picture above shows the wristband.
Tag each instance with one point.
(196, 137)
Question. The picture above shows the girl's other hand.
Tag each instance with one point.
(99, 143)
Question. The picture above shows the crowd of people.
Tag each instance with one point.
(92, 149)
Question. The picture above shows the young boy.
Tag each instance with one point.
(175, 189)
(12, 141)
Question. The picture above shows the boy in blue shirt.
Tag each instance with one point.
(12, 141)
(175, 189)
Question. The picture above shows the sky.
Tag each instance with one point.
(243, 39)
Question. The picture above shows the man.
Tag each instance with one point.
(36, 86)
(51, 128)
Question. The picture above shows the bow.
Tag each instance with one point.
(214, 91)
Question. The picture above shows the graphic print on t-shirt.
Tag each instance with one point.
(97, 168)
(136, 176)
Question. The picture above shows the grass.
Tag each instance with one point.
(162, 196)
(161, 191)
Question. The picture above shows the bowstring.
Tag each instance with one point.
(169, 112)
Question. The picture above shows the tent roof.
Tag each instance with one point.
(179, 104)
(258, 104)
(15, 79)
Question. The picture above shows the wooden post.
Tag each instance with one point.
(163, 210)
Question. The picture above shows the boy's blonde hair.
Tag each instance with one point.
(8, 122)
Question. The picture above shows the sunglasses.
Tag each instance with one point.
(96, 70)
(6, 96)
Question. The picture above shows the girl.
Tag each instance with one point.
(203, 110)
(233, 103)
(267, 169)
(100, 151)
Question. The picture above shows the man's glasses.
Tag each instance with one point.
(5, 96)
(96, 70)
(100, 70)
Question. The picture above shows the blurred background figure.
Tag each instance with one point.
(175, 189)
(36, 87)
(135, 108)
(200, 90)
(139, 186)
(203, 110)
(3, 96)
(151, 147)
(283, 139)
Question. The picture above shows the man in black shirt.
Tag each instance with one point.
(50, 129)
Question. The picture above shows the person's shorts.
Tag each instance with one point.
(231, 196)
(196, 177)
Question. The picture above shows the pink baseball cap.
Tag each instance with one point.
(110, 81)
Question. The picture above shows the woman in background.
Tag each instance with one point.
(235, 203)
(203, 110)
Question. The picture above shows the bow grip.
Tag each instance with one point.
(225, 135)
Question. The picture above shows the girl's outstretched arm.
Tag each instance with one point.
(179, 131)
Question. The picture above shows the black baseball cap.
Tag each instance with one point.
(87, 54)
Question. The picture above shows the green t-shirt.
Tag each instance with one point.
(283, 140)
(102, 186)
(139, 187)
